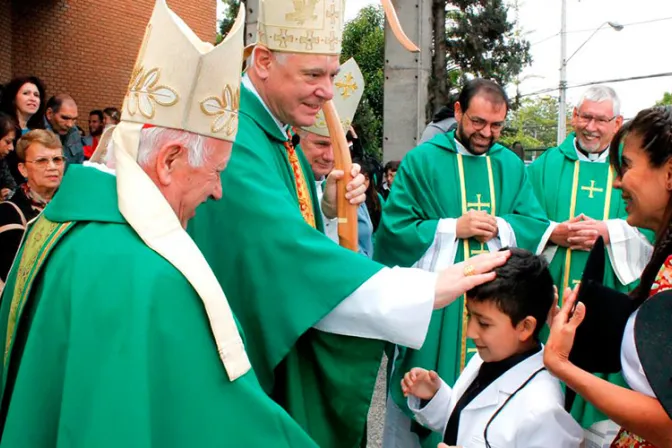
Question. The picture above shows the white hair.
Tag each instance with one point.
(599, 94)
(152, 139)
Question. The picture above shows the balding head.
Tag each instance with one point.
(62, 113)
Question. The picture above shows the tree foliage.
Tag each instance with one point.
(230, 12)
(534, 123)
(666, 100)
(364, 40)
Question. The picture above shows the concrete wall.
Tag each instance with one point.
(88, 48)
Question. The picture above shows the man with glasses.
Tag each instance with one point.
(61, 116)
(456, 196)
(573, 183)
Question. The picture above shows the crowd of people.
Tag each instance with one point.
(186, 285)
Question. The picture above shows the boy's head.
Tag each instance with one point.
(507, 314)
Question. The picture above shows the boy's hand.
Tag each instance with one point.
(443, 445)
(420, 383)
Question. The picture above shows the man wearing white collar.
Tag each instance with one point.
(573, 183)
(456, 196)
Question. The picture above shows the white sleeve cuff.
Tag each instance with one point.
(394, 305)
(629, 250)
(507, 236)
(441, 253)
(543, 247)
(435, 414)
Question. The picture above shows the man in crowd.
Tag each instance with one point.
(96, 126)
(61, 116)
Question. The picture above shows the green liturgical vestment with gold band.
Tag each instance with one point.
(108, 345)
(435, 182)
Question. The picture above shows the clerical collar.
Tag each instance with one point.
(586, 156)
(247, 83)
(461, 149)
(488, 373)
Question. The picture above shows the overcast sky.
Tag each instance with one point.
(639, 49)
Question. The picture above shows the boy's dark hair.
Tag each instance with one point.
(392, 165)
(523, 287)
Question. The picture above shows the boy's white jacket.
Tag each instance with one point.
(534, 418)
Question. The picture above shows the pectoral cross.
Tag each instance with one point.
(482, 250)
(347, 86)
(478, 204)
(592, 189)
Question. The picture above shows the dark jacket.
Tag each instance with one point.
(73, 149)
(12, 228)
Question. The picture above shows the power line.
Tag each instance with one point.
(592, 83)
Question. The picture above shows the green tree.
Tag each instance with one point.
(230, 12)
(480, 41)
(364, 40)
(666, 101)
(534, 123)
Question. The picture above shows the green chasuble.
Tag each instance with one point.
(110, 346)
(283, 276)
(436, 182)
(567, 187)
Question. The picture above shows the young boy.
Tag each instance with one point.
(504, 397)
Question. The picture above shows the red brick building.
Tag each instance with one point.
(85, 47)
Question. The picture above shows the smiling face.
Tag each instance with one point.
(28, 100)
(481, 124)
(595, 125)
(646, 189)
(493, 333)
(294, 86)
(319, 152)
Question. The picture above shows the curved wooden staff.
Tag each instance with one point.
(347, 213)
(396, 28)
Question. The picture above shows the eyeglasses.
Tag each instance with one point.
(43, 162)
(480, 123)
(600, 121)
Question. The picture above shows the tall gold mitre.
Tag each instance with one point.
(301, 26)
(182, 83)
(348, 91)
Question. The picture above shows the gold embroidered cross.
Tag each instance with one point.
(347, 86)
(478, 204)
(480, 251)
(576, 282)
(592, 189)
(333, 14)
(283, 38)
(332, 41)
(309, 40)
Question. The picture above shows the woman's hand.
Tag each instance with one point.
(563, 330)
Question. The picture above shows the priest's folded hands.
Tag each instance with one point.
(460, 278)
(477, 224)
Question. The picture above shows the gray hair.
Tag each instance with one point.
(152, 139)
(599, 94)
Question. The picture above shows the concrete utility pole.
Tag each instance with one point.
(407, 79)
(562, 105)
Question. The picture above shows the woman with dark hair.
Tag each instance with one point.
(111, 116)
(644, 174)
(373, 201)
(24, 99)
(7, 134)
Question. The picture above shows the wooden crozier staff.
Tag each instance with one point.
(347, 213)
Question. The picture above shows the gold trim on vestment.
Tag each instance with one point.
(467, 250)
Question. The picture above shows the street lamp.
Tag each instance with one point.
(562, 106)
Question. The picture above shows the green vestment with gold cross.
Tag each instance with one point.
(567, 187)
(435, 182)
(108, 345)
(282, 276)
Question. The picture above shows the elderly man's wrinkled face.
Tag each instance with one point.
(295, 86)
(198, 184)
(595, 125)
(319, 152)
(65, 119)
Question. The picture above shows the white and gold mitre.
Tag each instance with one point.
(181, 82)
(348, 91)
(301, 26)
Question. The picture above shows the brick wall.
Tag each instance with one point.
(5, 40)
(88, 48)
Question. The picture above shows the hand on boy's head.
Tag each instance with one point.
(563, 330)
(460, 278)
(420, 383)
